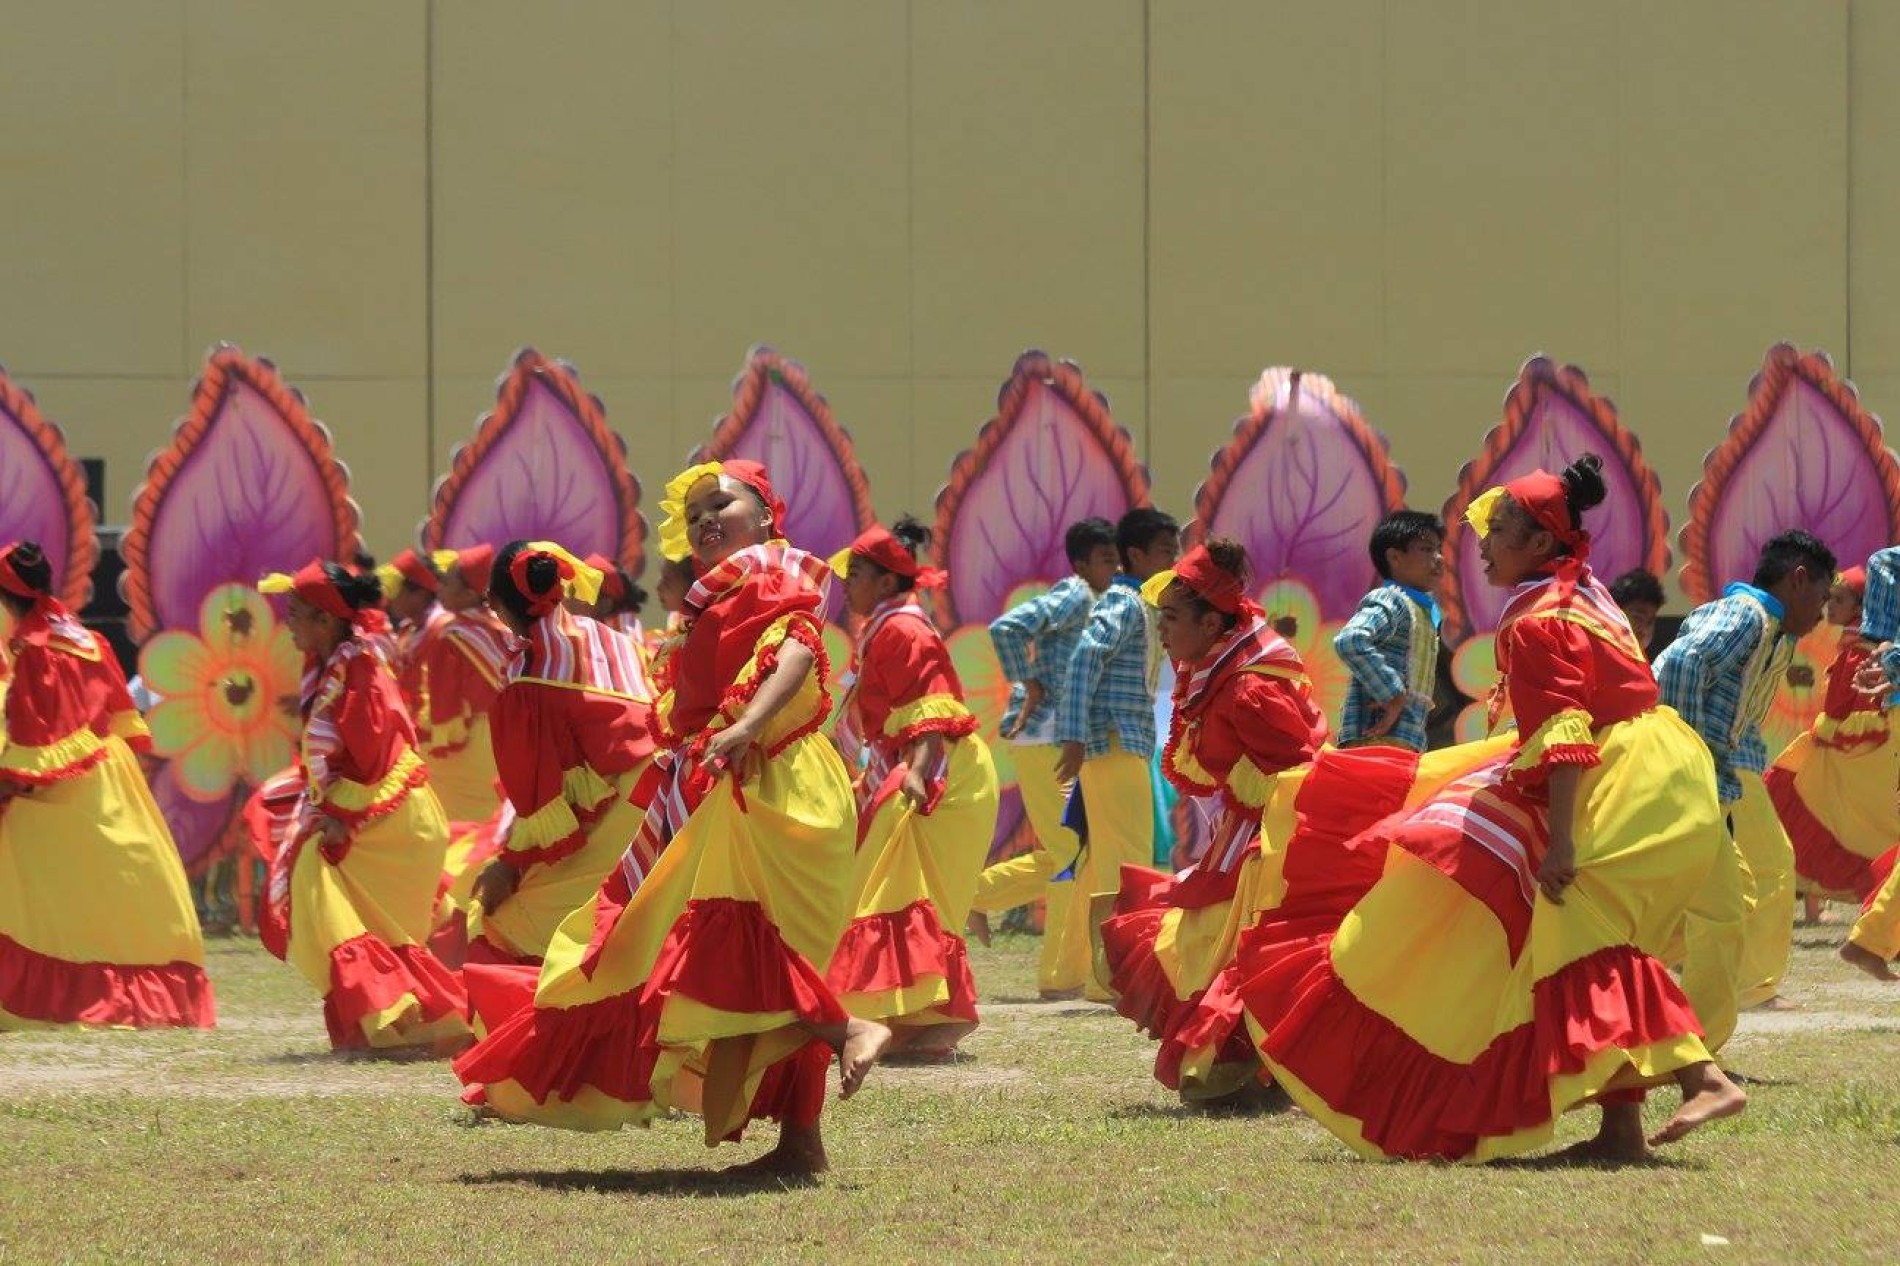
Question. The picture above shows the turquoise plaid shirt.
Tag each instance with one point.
(1880, 609)
(1721, 674)
(1380, 647)
(1034, 642)
(1110, 684)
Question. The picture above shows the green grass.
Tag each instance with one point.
(1051, 1143)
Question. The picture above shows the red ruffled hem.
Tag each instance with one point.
(85, 764)
(48, 990)
(1143, 992)
(368, 976)
(882, 952)
(722, 953)
(1414, 1104)
(1819, 855)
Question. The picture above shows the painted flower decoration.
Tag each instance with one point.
(219, 717)
(1474, 670)
(1313, 639)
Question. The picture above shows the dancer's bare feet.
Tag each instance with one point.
(1619, 1139)
(1707, 1095)
(800, 1154)
(865, 1042)
(1868, 961)
(978, 925)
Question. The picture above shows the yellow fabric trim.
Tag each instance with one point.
(584, 689)
(277, 582)
(1854, 725)
(129, 725)
(1478, 513)
(840, 563)
(43, 762)
(928, 708)
(1249, 785)
(1569, 728)
(450, 735)
(1187, 765)
(1156, 585)
(554, 821)
(444, 558)
(357, 797)
(674, 545)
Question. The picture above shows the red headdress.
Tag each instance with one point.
(881, 547)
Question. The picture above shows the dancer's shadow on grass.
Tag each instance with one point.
(652, 1182)
(1658, 1162)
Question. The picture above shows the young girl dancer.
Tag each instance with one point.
(926, 803)
(694, 979)
(571, 738)
(464, 670)
(353, 879)
(1501, 969)
(96, 921)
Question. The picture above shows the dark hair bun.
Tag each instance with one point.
(1230, 556)
(32, 566)
(911, 534)
(361, 592)
(544, 573)
(1583, 483)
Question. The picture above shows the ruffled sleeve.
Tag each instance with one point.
(806, 712)
(360, 753)
(1261, 726)
(1552, 682)
(549, 800)
(907, 687)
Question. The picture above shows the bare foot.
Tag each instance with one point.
(978, 925)
(1707, 1095)
(865, 1042)
(800, 1154)
(1868, 961)
(1619, 1139)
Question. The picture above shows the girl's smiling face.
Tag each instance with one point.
(1515, 549)
(724, 516)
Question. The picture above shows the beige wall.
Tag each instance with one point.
(389, 196)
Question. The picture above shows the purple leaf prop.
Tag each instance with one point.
(1551, 418)
(779, 421)
(249, 484)
(43, 493)
(197, 827)
(543, 466)
(1052, 455)
(1301, 485)
(1806, 454)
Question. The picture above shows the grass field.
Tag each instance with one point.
(1051, 1142)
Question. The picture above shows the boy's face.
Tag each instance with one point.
(1099, 568)
(1157, 555)
(1843, 607)
(1804, 596)
(1642, 617)
(1420, 565)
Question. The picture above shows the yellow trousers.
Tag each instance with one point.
(1119, 796)
(1064, 960)
(1768, 930)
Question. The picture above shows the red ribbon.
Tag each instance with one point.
(1221, 590)
(540, 602)
(753, 476)
(1541, 494)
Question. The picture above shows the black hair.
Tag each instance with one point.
(1230, 557)
(32, 566)
(1138, 530)
(1584, 488)
(1637, 586)
(543, 574)
(361, 592)
(915, 538)
(362, 561)
(1086, 536)
(1789, 550)
(1398, 530)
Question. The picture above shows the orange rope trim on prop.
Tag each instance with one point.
(82, 536)
(1539, 375)
(1065, 378)
(227, 363)
(1780, 367)
(764, 366)
(1262, 416)
(563, 380)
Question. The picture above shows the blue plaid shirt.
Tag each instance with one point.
(1034, 642)
(1880, 610)
(1721, 674)
(1391, 648)
(1110, 684)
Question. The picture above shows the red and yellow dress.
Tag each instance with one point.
(1457, 1012)
(717, 926)
(464, 668)
(571, 740)
(354, 918)
(1833, 787)
(902, 961)
(1247, 733)
(96, 921)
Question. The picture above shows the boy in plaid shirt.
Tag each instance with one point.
(1034, 642)
(1875, 940)
(1106, 719)
(1721, 674)
(1390, 646)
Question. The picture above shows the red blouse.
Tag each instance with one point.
(66, 693)
(466, 665)
(907, 662)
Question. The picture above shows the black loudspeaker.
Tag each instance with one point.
(106, 611)
(95, 468)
